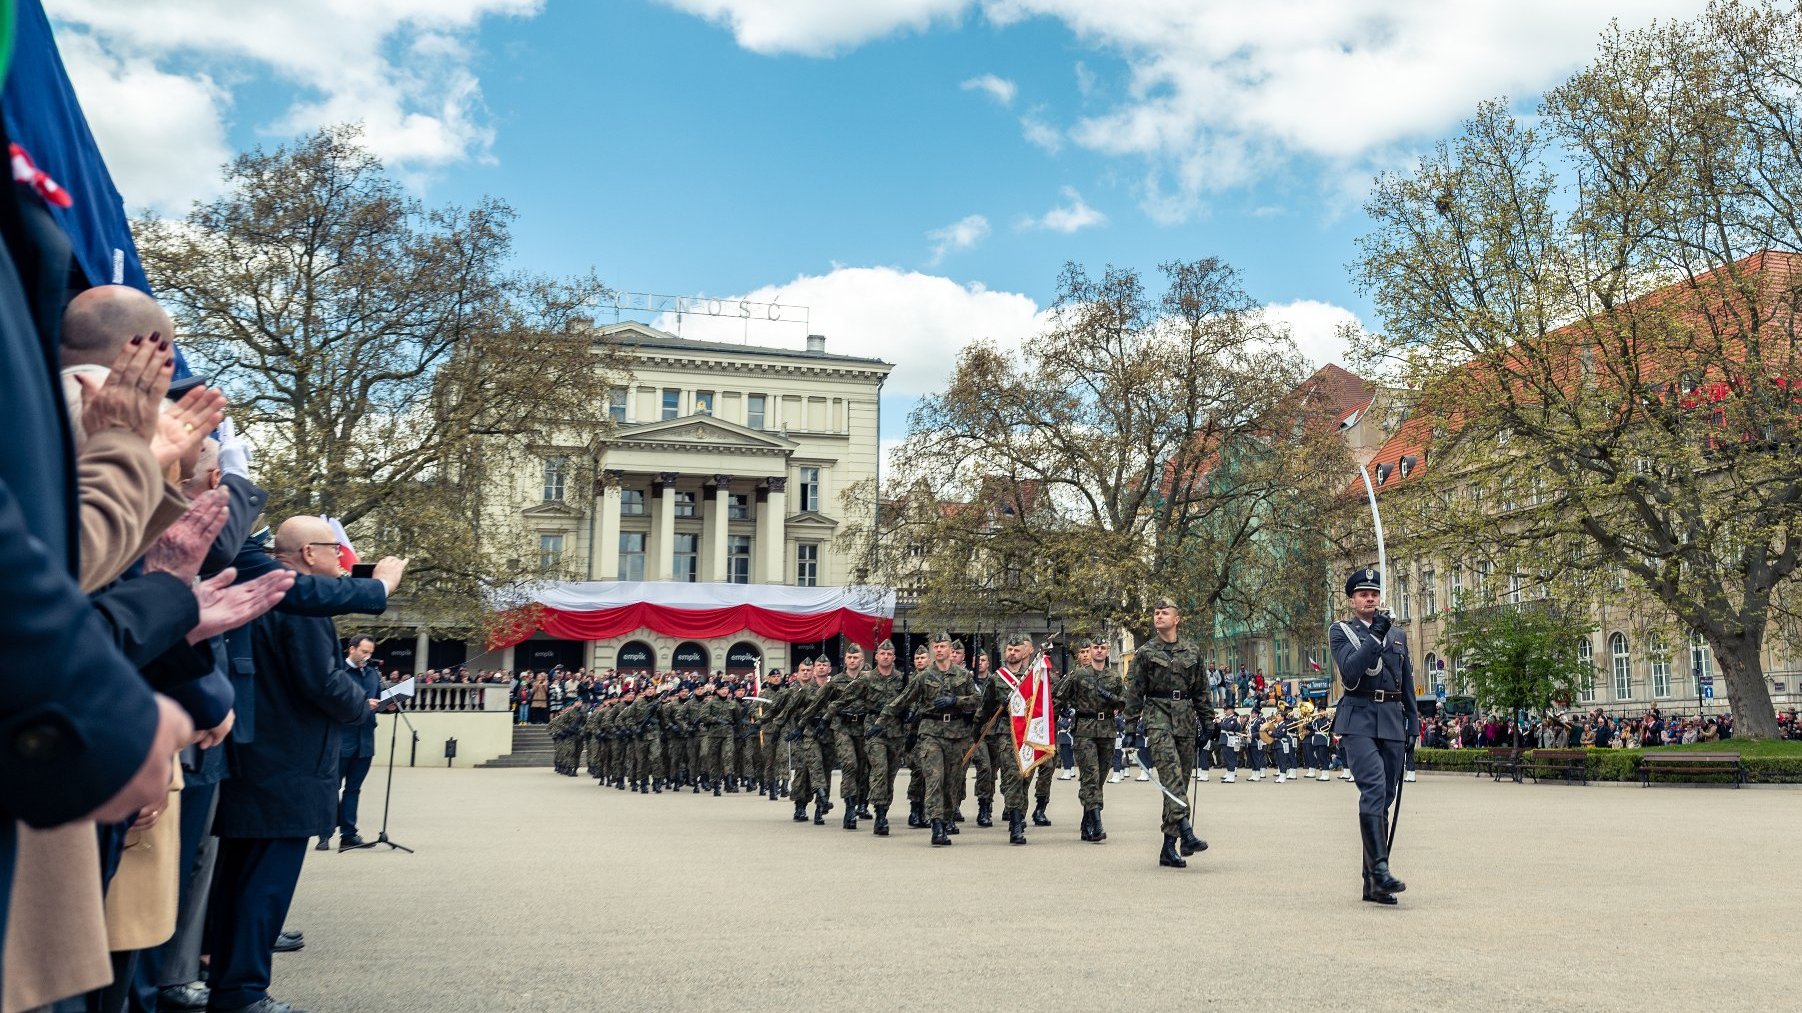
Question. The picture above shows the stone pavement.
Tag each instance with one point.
(537, 892)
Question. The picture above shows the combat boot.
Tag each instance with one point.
(1039, 819)
(863, 809)
(951, 828)
(1016, 830)
(800, 812)
(881, 828)
(782, 787)
(716, 789)
(1169, 857)
(1088, 826)
(939, 837)
(732, 786)
(1376, 853)
(985, 812)
(916, 815)
(1190, 843)
(850, 821)
(1100, 831)
(771, 792)
(821, 806)
(657, 786)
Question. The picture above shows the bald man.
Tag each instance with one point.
(285, 786)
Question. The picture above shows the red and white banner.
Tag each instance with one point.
(601, 610)
(1030, 714)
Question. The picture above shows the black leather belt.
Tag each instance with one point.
(1083, 715)
(1172, 695)
(947, 718)
(1379, 695)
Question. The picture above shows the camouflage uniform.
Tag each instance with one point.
(1094, 695)
(716, 716)
(883, 747)
(1167, 688)
(944, 698)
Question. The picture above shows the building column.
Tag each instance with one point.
(608, 568)
(422, 642)
(507, 660)
(715, 549)
(771, 526)
(663, 528)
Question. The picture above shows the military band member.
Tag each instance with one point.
(1230, 740)
(944, 696)
(1094, 692)
(1167, 688)
(1376, 720)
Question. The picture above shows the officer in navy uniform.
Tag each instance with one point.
(1376, 719)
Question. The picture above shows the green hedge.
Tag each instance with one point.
(1613, 764)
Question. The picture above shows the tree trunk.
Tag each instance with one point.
(1743, 671)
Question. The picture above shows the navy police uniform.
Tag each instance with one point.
(1376, 720)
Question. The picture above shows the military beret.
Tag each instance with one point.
(940, 637)
(1019, 638)
(1165, 602)
(1360, 580)
(885, 644)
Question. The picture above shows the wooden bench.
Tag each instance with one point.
(1499, 761)
(1692, 764)
(1570, 764)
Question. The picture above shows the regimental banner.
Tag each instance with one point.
(1030, 714)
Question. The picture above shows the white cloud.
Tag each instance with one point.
(919, 322)
(962, 234)
(1072, 215)
(401, 67)
(1314, 326)
(998, 88)
(1218, 92)
(1040, 134)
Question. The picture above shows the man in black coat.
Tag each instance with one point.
(285, 781)
(356, 749)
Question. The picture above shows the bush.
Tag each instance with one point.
(1774, 769)
(1616, 765)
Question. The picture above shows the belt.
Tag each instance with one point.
(848, 716)
(1379, 695)
(947, 718)
(1084, 715)
(1175, 694)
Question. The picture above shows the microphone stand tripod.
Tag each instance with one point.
(388, 796)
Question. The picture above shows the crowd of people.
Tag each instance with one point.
(1596, 730)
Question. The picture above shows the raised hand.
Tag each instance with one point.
(181, 429)
(180, 549)
(224, 606)
(389, 571)
(132, 393)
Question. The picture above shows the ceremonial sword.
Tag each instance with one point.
(1376, 520)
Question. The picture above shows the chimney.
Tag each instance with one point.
(816, 343)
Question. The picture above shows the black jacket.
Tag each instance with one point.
(359, 739)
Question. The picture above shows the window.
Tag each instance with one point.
(1586, 682)
(1661, 668)
(672, 403)
(1476, 498)
(616, 406)
(631, 502)
(685, 504)
(1457, 585)
(810, 489)
(703, 402)
(738, 559)
(1429, 593)
(686, 561)
(1483, 567)
(1279, 650)
(1623, 667)
(1701, 662)
(1402, 598)
(754, 411)
(738, 506)
(1620, 578)
(1517, 585)
(807, 564)
(550, 550)
(631, 555)
(556, 477)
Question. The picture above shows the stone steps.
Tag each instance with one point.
(531, 748)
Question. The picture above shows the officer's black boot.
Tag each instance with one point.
(1016, 830)
(1372, 894)
(881, 828)
(1039, 819)
(939, 837)
(1376, 853)
(850, 821)
(1169, 857)
(800, 812)
(1191, 843)
(985, 812)
(916, 815)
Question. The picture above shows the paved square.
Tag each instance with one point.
(537, 892)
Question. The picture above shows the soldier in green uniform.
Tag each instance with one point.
(916, 777)
(746, 755)
(1094, 691)
(1167, 688)
(678, 734)
(717, 716)
(962, 781)
(650, 742)
(945, 696)
(983, 756)
(560, 740)
(883, 748)
(774, 689)
(800, 696)
(1016, 659)
(842, 706)
(593, 726)
(631, 713)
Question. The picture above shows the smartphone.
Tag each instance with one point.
(363, 570)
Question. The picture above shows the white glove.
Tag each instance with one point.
(234, 453)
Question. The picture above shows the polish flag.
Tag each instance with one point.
(1030, 714)
(347, 556)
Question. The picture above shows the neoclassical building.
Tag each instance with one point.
(727, 464)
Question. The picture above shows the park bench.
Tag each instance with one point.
(1500, 760)
(1691, 764)
(1570, 764)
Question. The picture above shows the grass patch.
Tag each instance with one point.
(1746, 748)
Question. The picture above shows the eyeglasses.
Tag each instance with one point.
(335, 546)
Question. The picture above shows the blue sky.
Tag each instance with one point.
(915, 171)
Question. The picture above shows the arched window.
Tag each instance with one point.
(1660, 666)
(1701, 662)
(690, 658)
(635, 657)
(1623, 666)
(1586, 682)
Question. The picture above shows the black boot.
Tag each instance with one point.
(881, 828)
(1372, 894)
(716, 789)
(951, 828)
(850, 821)
(1088, 825)
(1169, 857)
(1191, 843)
(1100, 831)
(863, 809)
(823, 801)
(1374, 831)
(782, 787)
(1016, 830)
(916, 815)
(1039, 819)
(957, 815)
(985, 812)
(800, 812)
(657, 786)
(939, 837)
(732, 786)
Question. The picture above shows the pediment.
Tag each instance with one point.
(551, 509)
(702, 431)
(810, 519)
